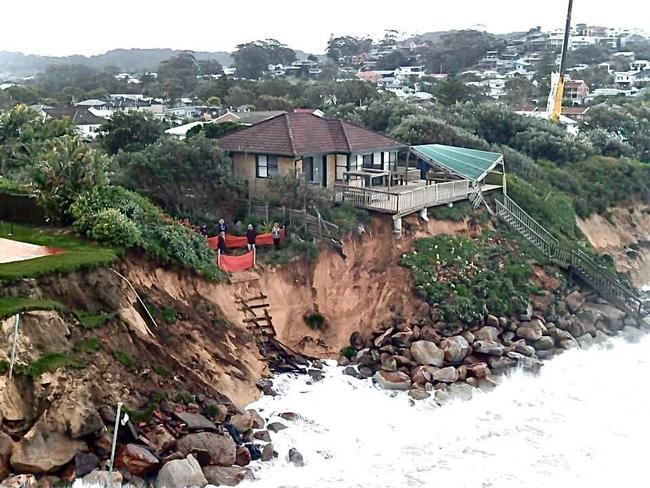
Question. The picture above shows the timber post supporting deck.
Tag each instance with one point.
(602, 281)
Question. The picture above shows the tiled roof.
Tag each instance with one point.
(574, 110)
(574, 83)
(79, 115)
(301, 133)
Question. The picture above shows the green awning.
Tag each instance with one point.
(470, 164)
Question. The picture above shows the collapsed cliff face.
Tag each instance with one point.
(357, 293)
(194, 345)
(624, 233)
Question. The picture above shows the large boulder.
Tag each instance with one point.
(490, 348)
(161, 439)
(83, 420)
(531, 332)
(613, 317)
(242, 456)
(455, 349)
(426, 353)
(221, 448)
(392, 380)
(242, 422)
(195, 421)
(478, 370)
(136, 460)
(44, 452)
(487, 333)
(545, 343)
(84, 463)
(445, 375)
(6, 447)
(227, 475)
(574, 301)
(181, 472)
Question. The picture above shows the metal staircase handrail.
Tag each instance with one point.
(599, 278)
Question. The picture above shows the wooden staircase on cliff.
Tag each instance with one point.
(606, 284)
(255, 307)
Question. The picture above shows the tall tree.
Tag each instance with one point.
(252, 59)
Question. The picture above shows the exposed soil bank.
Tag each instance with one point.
(367, 288)
(623, 233)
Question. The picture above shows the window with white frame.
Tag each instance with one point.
(267, 166)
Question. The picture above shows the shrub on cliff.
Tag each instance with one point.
(468, 279)
(119, 216)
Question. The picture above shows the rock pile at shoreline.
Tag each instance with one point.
(192, 443)
(443, 360)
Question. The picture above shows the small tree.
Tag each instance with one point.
(65, 170)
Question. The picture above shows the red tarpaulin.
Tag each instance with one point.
(237, 263)
(239, 242)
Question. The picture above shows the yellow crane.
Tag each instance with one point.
(556, 96)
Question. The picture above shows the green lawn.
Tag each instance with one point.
(79, 253)
(12, 305)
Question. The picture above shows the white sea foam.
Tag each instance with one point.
(582, 422)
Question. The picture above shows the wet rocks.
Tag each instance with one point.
(531, 332)
(544, 343)
(392, 380)
(220, 448)
(490, 348)
(195, 421)
(136, 460)
(276, 426)
(445, 375)
(487, 333)
(44, 452)
(84, 463)
(6, 448)
(427, 353)
(295, 457)
(226, 475)
(455, 349)
(181, 472)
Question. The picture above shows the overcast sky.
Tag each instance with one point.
(94, 26)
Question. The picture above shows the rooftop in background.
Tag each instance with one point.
(79, 115)
(470, 164)
(299, 133)
(248, 118)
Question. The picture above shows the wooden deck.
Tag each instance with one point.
(405, 199)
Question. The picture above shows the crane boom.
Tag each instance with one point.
(556, 96)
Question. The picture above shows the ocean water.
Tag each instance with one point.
(583, 421)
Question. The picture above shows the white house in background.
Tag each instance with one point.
(228, 71)
(86, 122)
(180, 132)
(570, 124)
(408, 71)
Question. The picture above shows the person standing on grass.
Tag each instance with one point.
(275, 232)
(251, 235)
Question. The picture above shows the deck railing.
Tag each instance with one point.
(403, 202)
(378, 200)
